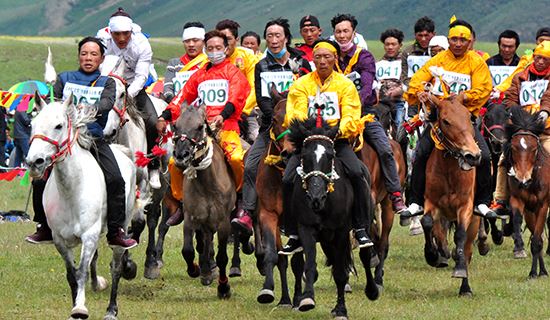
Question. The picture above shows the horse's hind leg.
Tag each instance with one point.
(430, 252)
(98, 282)
(271, 258)
(482, 245)
(372, 290)
(116, 272)
(517, 221)
(496, 233)
(383, 243)
(162, 230)
(224, 289)
(188, 251)
(152, 269)
(235, 270)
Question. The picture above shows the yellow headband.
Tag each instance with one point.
(325, 45)
(543, 49)
(460, 32)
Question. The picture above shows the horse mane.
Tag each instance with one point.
(134, 113)
(301, 129)
(81, 116)
(520, 120)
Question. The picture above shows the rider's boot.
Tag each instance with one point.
(397, 202)
(154, 178)
(42, 235)
(362, 238)
(175, 219)
(243, 222)
(413, 210)
(484, 211)
(120, 239)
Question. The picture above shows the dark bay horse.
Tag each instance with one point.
(381, 231)
(322, 200)
(209, 193)
(270, 209)
(450, 187)
(528, 179)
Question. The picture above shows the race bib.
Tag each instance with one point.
(355, 77)
(388, 69)
(500, 73)
(531, 92)
(214, 93)
(414, 63)
(282, 81)
(457, 82)
(331, 110)
(180, 79)
(82, 94)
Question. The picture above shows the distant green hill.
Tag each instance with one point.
(165, 18)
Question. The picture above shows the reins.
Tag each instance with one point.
(61, 148)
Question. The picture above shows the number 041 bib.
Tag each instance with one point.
(214, 93)
(331, 111)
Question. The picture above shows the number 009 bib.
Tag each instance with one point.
(282, 81)
(531, 92)
(214, 92)
(82, 94)
(457, 82)
(331, 111)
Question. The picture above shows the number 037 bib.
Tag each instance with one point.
(82, 94)
(331, 111)
(214, 93)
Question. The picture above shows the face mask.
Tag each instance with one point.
(216, 57)
(347, 46)
(278, 55)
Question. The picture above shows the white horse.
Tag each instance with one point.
(125, 126)
(75, 198)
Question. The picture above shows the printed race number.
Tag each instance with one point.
(329, 100)
(500, 73)
(531, 92)
(180, 79)
(214, 92)
(388, 69)
(282, 81)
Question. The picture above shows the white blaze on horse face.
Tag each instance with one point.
(523, 143)
(319, 152)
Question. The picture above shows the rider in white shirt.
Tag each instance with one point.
(127, 41)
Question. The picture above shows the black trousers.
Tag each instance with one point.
(116, 196)
(376, 137)
(147, 109)
(251, 163)
(424, 148)
(355, 171)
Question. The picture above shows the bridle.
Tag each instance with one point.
(199, 148)
(328, 177)
(61, 148)
(121, 112)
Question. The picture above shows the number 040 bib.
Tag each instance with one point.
(331, 111)
(214, 93)
(457, 82)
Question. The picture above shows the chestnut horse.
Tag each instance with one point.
(270, 209)
(450, 186)
(528, 179)
(381, 231)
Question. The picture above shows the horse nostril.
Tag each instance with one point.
(39, 162)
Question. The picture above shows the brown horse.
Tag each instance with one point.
(528, 179)
(381, 231)
(270, 209)
(450, 184)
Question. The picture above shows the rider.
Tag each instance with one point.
(358, 65)
(88, 86)
(328, 83)
(127, 42)
(461, 68)
(251, 40)
(311, 31)
(245, 60)
(533, 79)
(281, 66)
(437, 44)
(415, 55)
(388, 73)
(219, 75)
(506, 60)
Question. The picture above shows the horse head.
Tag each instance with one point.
(190, 135)
(492, 126)
(456, 131)
(523, 146)
(315, 145)
(113, 67)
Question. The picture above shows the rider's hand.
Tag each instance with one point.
(161, 125)
(217, 121)
(423, 97)
(495, 94)
(543, 116)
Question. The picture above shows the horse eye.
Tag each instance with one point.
(446, 122)
(58, 127)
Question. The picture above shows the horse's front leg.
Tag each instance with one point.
(68, 257)
(188, 251)
(89, 247)
(116, 273)
(463, 221)
(224, 289)
(340, 249)
(268, 222)
(517, 221)
(207, 275)
(152, 269)
(307, 235)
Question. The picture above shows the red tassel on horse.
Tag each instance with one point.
(158, 152)
(141, 159)
(319, 122)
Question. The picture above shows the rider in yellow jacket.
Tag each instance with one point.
(342, 107)
(466, 74)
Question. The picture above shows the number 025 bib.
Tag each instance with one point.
(531, 92)
(331, 111)
(180, 79)
(82, 94)
(214, 92)
(414, 63)
(457, 82)
(500, 73)
(388, 69)
(282, 81)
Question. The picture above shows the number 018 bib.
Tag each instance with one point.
(214, 92)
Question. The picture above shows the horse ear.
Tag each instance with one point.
(68, 102)
(275, 95)
(460, 98)
(39, 103)
(435, 101)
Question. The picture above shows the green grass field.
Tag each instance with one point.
(34, 285)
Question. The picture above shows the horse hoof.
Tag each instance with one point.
(404, 221)
(79, 313)
(266, 296)
(235, 272)
(347, 288)
(416, 227)
(380, 289)
(129, 270)
(306, 304)
(467, 294)
(102, 284)
(483, 248)
(160, 263)
(110, 317)
(460, 273)
(442, 262)
(206, 280)
(340, 318)
(151, 273)
(247, 247)
(498, 238)
(520, 254)
(194, 271)
(224, 291)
